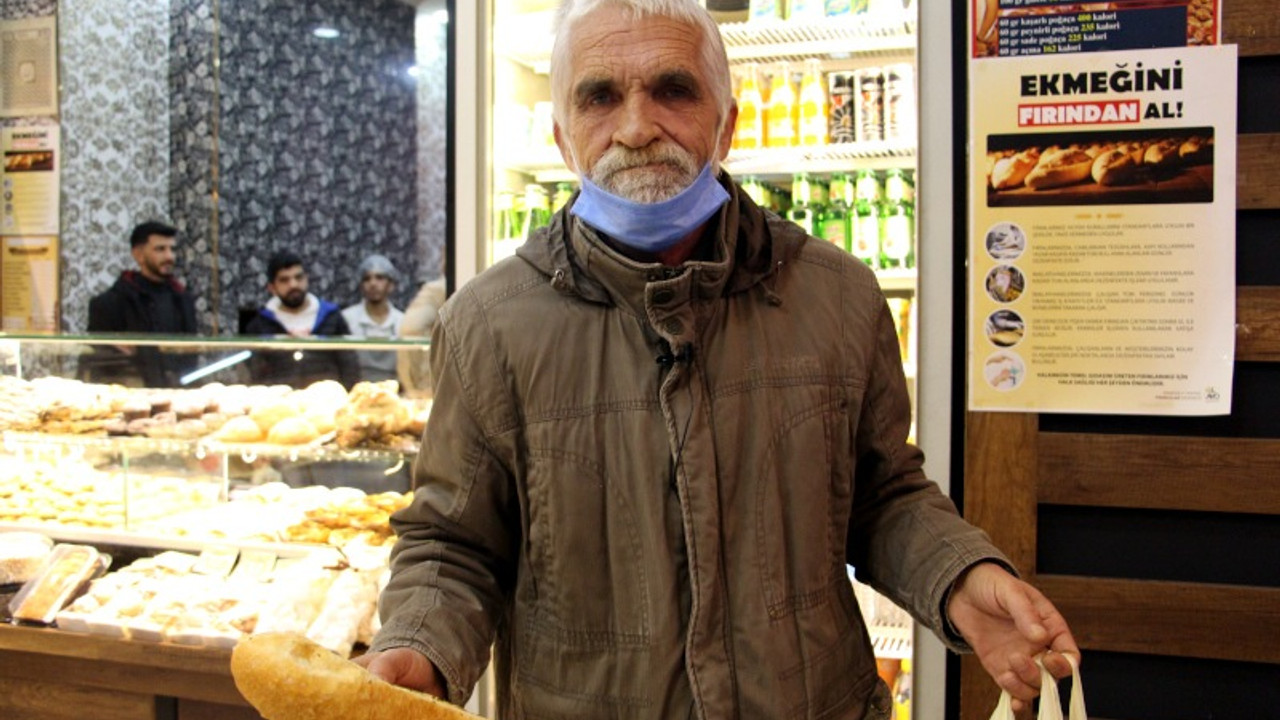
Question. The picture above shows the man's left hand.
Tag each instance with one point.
(1008, 623)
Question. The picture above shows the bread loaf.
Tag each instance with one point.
(288, 677)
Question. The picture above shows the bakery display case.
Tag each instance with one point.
(145, 530)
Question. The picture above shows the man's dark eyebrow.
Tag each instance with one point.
(590, 86)
(680, 77)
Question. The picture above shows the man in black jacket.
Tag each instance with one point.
(294, 311)
(146, 300)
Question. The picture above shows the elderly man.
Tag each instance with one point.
(662, 431)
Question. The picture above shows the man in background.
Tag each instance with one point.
(296, 312)
(375, 318)
(148, 299)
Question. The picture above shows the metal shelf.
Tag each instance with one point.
(546, 166)
(526, 39)
(198, 448)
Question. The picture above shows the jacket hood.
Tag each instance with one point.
(743, 232)
(325, 310)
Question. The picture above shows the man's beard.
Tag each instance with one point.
(163, 270)
(649, 175)
(294, 299)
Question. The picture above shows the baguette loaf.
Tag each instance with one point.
(288, 677)
(1059, 168)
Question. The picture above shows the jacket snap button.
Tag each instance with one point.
(664, 296)
(673, 326)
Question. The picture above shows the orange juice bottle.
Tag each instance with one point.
(813, 105)
(749, 134)
(781, 113)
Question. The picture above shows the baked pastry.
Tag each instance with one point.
(1010, 172)
(293, 431)
(1162, 154)
(1060, 168)
(1196, 150)
(240, 429)
(287, 677)
(1115, 167)
(270, 413)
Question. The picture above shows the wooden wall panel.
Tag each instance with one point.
(1163, 472)
(1258, 171)
(1253, 25)
(26, 698)
(1000, 497)
(1224, 622)
(1258, 323)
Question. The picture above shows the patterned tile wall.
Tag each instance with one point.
(433, 163)
(317, 143)
(329, 148)
(114, 131)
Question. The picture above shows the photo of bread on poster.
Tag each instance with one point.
(1133, 167)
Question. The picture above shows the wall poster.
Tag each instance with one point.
(29, 284)
(1102, 232)
(29, 67)
(1014, 28)
(29, 180)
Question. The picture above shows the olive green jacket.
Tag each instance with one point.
(646, 483)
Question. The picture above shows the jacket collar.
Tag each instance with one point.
(578, 261)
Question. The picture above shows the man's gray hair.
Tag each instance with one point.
(714, 61)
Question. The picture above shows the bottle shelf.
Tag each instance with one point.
(546, 166)
(526, 39)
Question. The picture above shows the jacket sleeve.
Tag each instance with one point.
(102, 315)
(905, 537)
(454, 563)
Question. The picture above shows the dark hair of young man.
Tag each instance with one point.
(147, 229)
(280, 261)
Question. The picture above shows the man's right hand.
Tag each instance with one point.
(406, 668)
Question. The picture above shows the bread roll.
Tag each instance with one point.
(1162, 154)
(288, 677)
(1010, 172)
(270, 413)
(1115, 167)
(241, 429)
(1059, 168)
(293, 431)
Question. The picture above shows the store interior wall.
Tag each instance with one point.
(330, 148)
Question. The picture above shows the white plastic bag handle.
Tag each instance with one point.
(1050, 705)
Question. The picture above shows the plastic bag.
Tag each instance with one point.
(1050, 705)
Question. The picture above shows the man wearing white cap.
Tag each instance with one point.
(375, 317)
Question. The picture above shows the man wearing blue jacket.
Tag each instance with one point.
(295, 312)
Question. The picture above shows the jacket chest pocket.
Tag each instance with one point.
(585, 554)
(801, 491)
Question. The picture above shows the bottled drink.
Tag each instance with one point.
(508, 226)
(765, 10)
(802, 211)
(837, 225)
(754, 189)
(506, 222)
(564, 191)
(537, 209)
(749, 134)
(780, 117)
(896, 223)
(866, 224)
(813, 105)
(805, 10)
(844, 107)
(902, 692)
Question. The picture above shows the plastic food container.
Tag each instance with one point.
(67, 569)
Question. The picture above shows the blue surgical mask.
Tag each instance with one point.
(650, 227)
